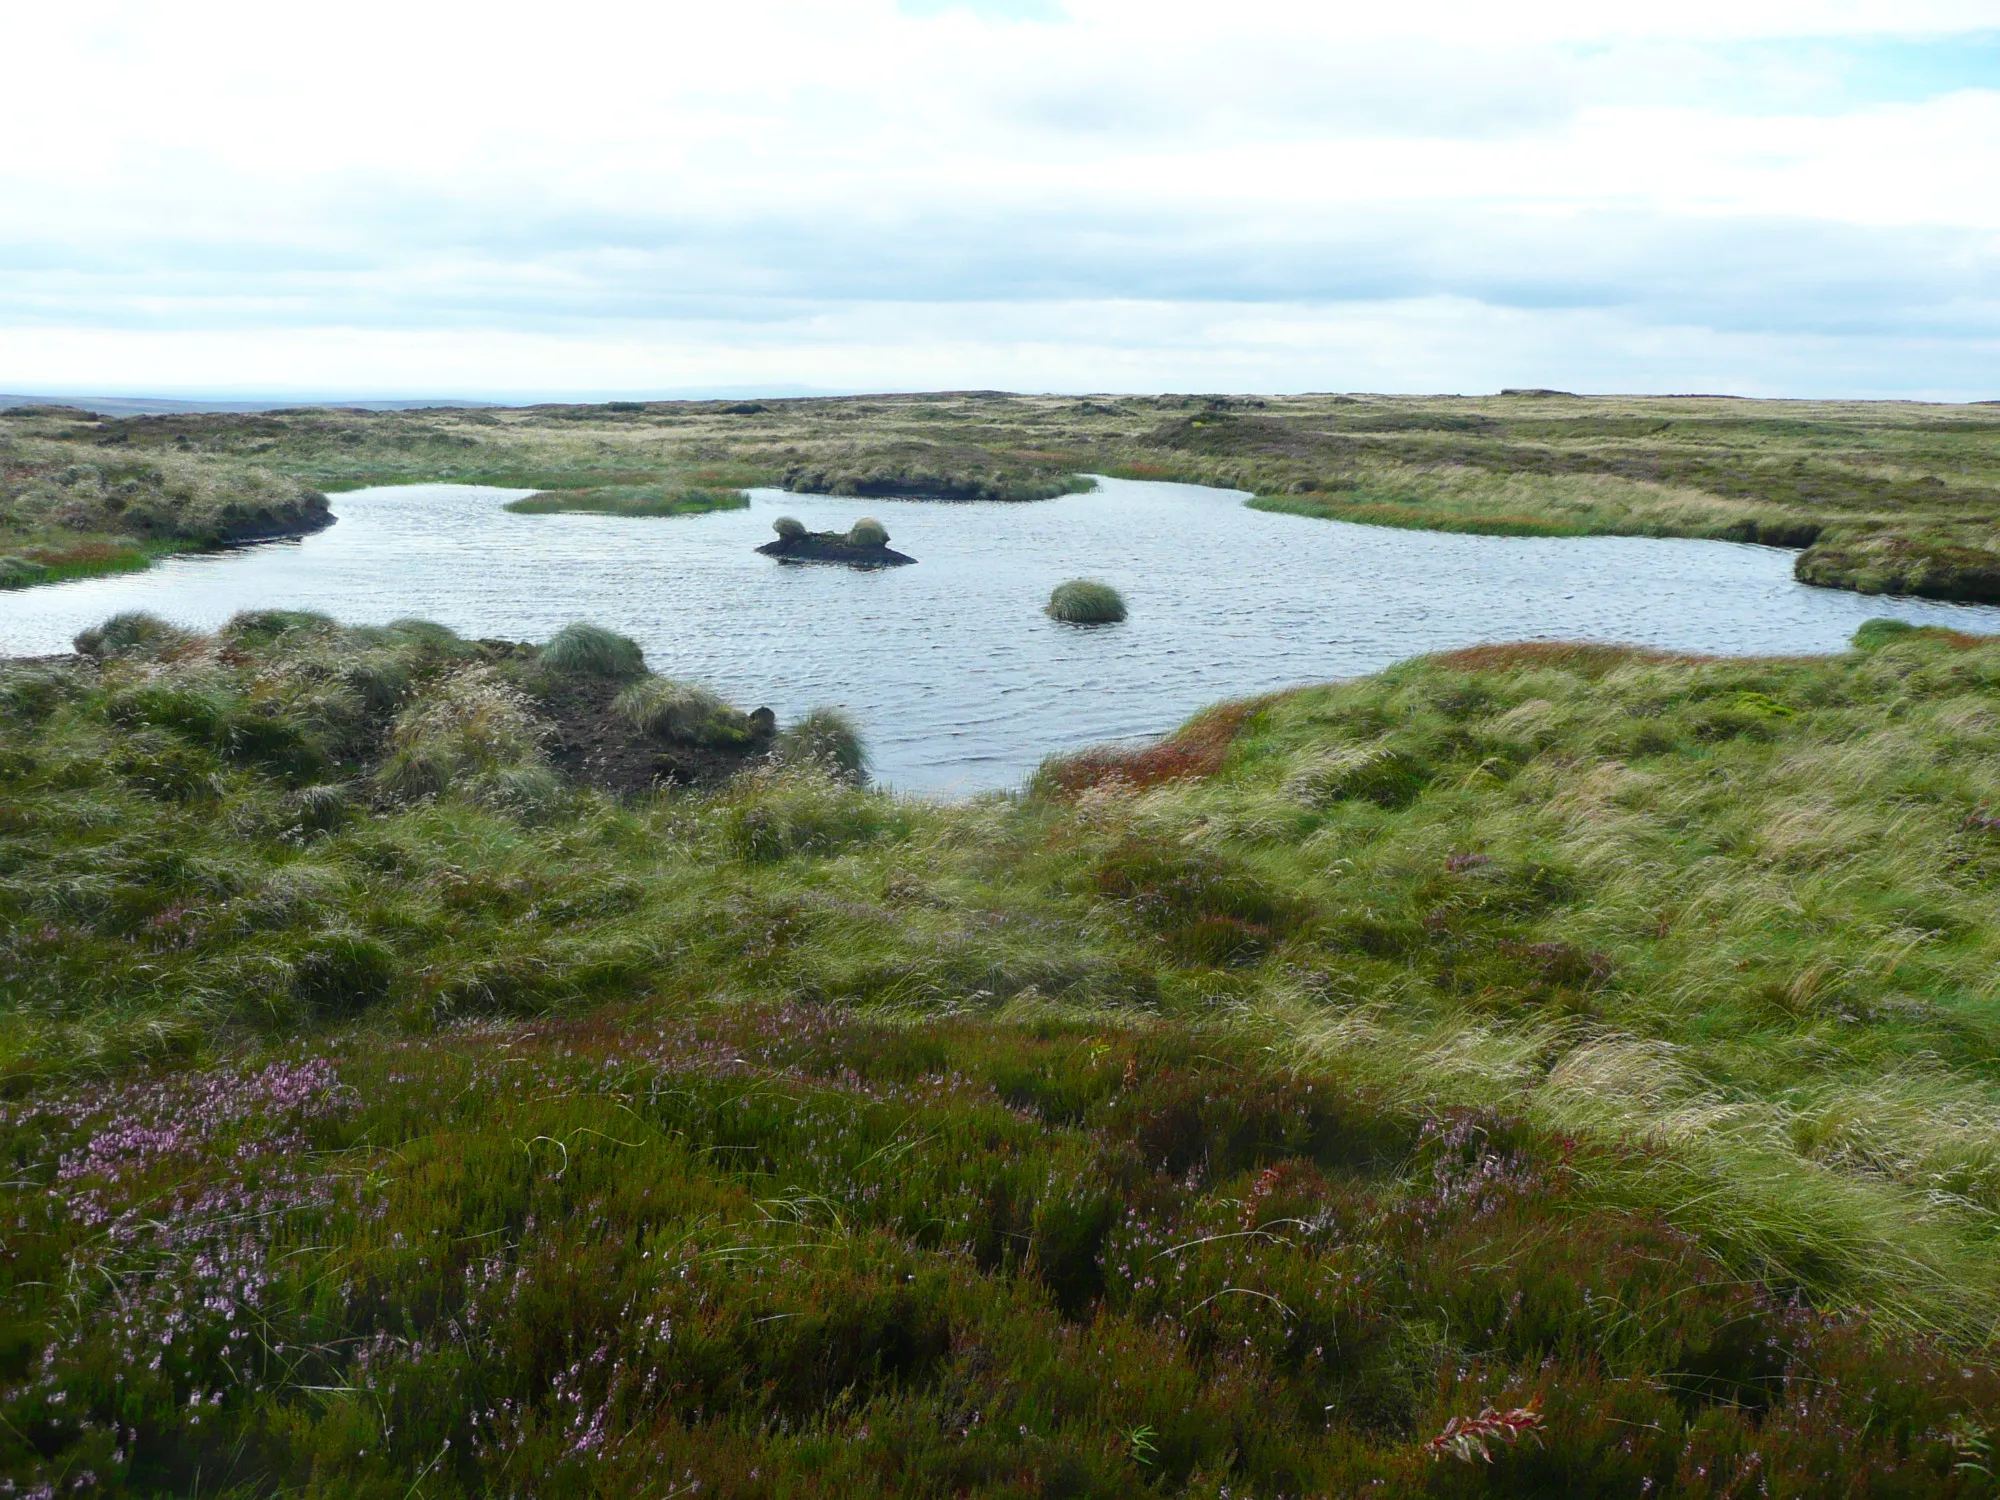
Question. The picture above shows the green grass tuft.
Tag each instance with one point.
(1085, 601)
(585, 650)
(134, 632)
(681, 711)
(828, 739)
(868, 532)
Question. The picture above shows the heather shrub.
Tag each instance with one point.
(868, 532)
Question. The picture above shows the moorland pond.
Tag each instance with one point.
(957, 675)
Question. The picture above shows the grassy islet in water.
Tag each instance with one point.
(1085, 601)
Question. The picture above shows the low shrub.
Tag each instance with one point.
(584, 650)
(1085, 601)
(868, 532)
(789, 528)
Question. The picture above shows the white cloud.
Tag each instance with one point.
(620, 195)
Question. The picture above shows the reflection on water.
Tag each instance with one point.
(958, 679)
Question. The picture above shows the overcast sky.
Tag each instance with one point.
(1771, 197)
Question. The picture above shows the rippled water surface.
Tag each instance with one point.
(958, 679)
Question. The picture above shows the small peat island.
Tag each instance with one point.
(865, 544)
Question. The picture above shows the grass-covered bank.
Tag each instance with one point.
(69, 510)
(1536, 1021)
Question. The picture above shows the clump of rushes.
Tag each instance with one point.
(131, 633)
(789, 528)
(825, 738)
(1085, 601)
(584, 650)
(868, 532)
(684, 711)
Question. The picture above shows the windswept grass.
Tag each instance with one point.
(683, 711)
(1548, 1023)
(825, 739)
(585, 650)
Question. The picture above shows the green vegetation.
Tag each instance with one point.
(584, 650)
(776, 1251)
(933, 471)
(1576, 1052)
(70, 510)
(825, 740)
(789, 528)
(1085, 601)
(630, 500)
(867, 532)
(1882, 496)
(684, 711)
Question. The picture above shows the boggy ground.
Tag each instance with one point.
(1604, 1037)
(1884, 497)
(69, 509)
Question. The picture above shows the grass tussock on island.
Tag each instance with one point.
(1581, 1055)
(1085, 601)
(630, 500)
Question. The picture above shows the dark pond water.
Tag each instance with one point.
(958, 679)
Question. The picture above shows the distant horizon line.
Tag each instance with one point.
(247, 403)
